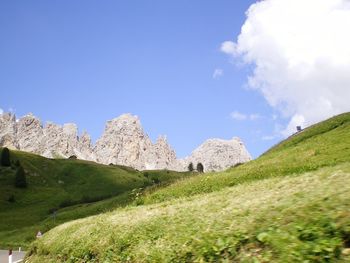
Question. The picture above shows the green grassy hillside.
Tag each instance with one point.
(290, 205)
(324, 144)
(72, 188)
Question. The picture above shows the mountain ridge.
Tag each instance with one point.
(123, 142)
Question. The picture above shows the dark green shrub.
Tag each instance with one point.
(5, 157)
(200, 168)
(20, 178)
(190, 167)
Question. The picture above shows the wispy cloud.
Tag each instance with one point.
(254, 116)
(238, 116)
(1, 111)
(218, 72)
(268, 137)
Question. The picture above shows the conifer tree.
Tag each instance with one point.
(200, 168)
(5, 157)
(190, 167)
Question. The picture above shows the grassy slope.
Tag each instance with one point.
(71, 187)
(324, 144)
(291, 204)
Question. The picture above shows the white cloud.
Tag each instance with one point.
(218, 73)
(301, 56)
(229, 48)
(1, 111)
(238, 116)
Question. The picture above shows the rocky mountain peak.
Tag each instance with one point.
(125, 123)
(123, 142)
(219, 154)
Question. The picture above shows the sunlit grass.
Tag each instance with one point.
(72, 188)
(235, 223)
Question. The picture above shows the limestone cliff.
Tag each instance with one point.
(218, 155)
(123, 142)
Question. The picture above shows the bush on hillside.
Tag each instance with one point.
(200, 168)
(20, 178)
(73, 157)
(5, 157)
(190, 167)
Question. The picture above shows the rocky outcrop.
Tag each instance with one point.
(84, 148)
(30, 134)
(8, 131)
(52, 141)
(161, 156)
(63, 141)
(123, 142)
(218, 155)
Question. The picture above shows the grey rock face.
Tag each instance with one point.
(52, 141)
(63, 141)
(52, 138)
(8, 130)
(123, 142)
(30, 134)
(218, 155)
(161, 156)
(84, 148)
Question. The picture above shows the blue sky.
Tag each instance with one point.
(90, 61)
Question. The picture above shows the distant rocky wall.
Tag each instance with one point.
(123, 142)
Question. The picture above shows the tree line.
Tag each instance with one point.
(20, 176)
(200, 167)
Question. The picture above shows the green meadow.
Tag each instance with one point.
(60, 190)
